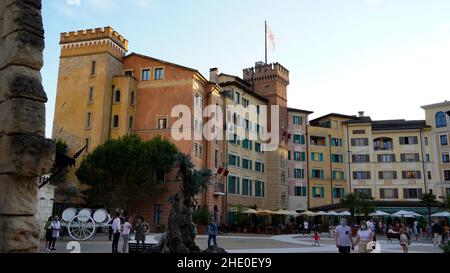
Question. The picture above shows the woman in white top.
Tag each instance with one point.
(126, 234)
(56, 227)
(365, 236)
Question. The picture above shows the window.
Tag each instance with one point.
(245, 102)
(412, 193)
(300, 191)
(159, 73)
(298, 120)
(132, 98)
(87, 143)
(216, 158)
(386, 158)
(130, 123)
(283, 198)
(444, 140)
(257, 147)
(429, 175)
(364, 192)
(259, 167)
(248, 125)
(427, 157)
(389, 175)
(237, 97)
(145, 75)
(116, 121)
(362, 175)
(447, 175)
(408, 140)
(360, 142)
(338, 175)
(360, 158)
(318, 174)
(383, 144)
(299, 139)
(129, 73)
(233, 185)
(336, 142)
(246, 187)
(318, 192)
(117, 96)
(338, 193)
(157, 214)
(259, 189)
(388, 193)
(93, 68)
(91, 95)
(162, 123)
(299, 156)
(235, 140)
(445, 158)
(317, 156)
(440, 120)
(234, 160)
(411, 174)
(299, 173)
(89, 120)
(359, 132)
(336, 158)
(447, 191)
(246, 164)
(198, 100)
(247, 144)
(410, 157)
(426, 141)
(318, 141)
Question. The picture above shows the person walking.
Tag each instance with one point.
(116, 233)
(316, 239)
(364, 237)
(446, 233)
(437, 233)
(405, 240)
(305, 227)
(212, 233)
(56, 228)
(140, 231)
(344, 240)
(416, 230)
(126, 234)
(48, 233)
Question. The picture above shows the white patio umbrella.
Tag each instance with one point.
(285, 212)
(308, 213)
(379, 213)
(333, 213)
(321, 213)
(249, 211)
(406, 214)
(345, 213)
(441, 214)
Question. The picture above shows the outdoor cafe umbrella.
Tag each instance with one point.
(441, 214)
(249, 211)
(308, 213)
(406, 214)
(345, 213)
(379, 213)
(285, 212)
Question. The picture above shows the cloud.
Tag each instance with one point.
(73, 2)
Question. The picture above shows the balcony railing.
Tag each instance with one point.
(219, 189)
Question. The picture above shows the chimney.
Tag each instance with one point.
(213, 73)
(361, 114)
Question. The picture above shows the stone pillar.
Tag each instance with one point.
(25, 154)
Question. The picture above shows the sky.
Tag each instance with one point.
(384, 57)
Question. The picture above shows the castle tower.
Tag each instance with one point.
(89, 61)
(271, 81)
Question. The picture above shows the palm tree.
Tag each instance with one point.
(351, 202)
(429, 199)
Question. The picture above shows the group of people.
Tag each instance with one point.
(121, 227)
(52, 230)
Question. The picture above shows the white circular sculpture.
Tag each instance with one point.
(81, 228)
(101, 216)
(69, 214)
(82, 224)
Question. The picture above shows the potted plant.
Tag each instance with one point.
(201, 217)
(239, 218)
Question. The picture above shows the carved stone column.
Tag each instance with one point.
(25, 154)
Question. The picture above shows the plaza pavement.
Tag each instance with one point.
(251, 243)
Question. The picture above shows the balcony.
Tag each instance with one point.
(318, 141)
(383, 144)
(219, 189)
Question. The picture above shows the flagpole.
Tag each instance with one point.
(265, 39)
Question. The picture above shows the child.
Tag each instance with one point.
(405, 240)
(316, 238)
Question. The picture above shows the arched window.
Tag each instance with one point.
(116, 121)
(117, 96)
(440, 120)
(130, 123)
(132, 98)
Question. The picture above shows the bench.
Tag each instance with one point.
(133, 248)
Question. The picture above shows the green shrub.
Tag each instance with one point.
(201, 216)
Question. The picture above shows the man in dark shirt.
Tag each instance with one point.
(437, 233)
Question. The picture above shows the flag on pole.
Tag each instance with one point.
(270, 37)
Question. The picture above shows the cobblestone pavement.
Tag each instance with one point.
(249, 243)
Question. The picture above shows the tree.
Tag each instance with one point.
(357, 203)
(179, 238)
(429, 199)
(124, 170)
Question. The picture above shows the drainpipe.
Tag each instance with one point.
(349, 162)
(423, 161)
(331, 169)
(111, 112)
(308, 201)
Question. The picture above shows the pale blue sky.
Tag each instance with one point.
(386, 57)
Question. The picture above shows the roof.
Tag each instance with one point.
(439, 104)
(242, 84)
(299, 110)
(399, 124)
(332, 115)
(166, 62)
(359, 120)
